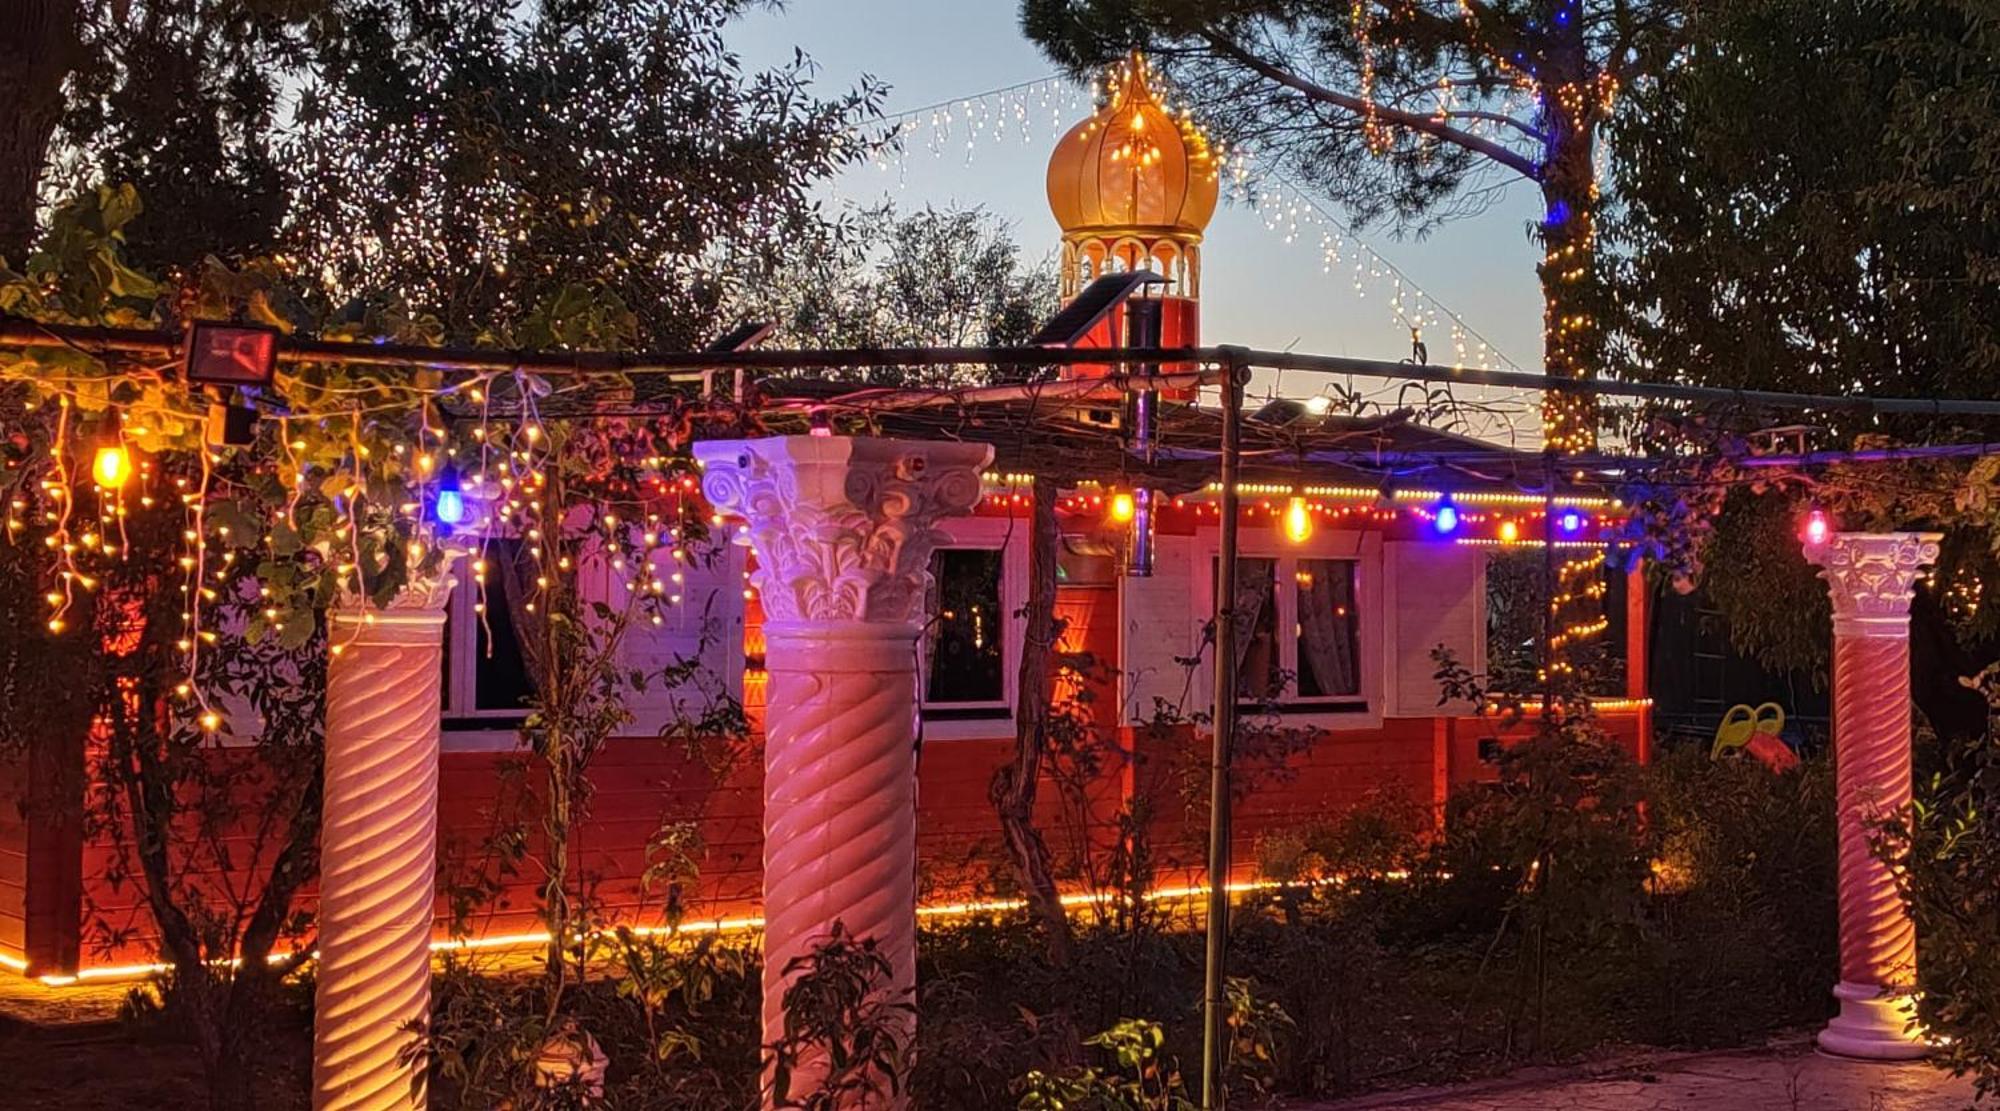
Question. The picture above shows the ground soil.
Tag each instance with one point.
(113, 1066)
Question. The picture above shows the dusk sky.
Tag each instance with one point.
(1258, 290)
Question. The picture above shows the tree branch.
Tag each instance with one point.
(1500, 118)
(1428, 125)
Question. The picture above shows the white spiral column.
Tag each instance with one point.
(378, 852)
(1870, 577)
(843, 531)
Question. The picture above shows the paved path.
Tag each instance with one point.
(1784, 1077)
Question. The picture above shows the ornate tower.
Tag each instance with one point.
(1133, 187)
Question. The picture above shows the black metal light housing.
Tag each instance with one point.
(230, 425)
(223, 353)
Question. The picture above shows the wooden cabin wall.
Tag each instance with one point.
(1437, 599)
(644, 783)
(14, 858)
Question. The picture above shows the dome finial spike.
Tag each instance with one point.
(1131, 78)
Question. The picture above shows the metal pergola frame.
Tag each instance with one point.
(1226, 367)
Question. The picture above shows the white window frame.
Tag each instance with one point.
(1364, 550)
(465, 728)
(1009, 537)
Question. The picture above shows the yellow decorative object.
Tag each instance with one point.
(1133, 187)
(1757, 731)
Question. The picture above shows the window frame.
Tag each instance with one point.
(1363, 709)
(1009, 537)
(466, 727)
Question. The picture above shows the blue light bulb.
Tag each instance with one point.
(1446, 520)
(1570, 521)
(450, 508)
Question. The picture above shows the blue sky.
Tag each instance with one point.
(1258, 290)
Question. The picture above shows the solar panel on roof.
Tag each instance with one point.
(1077, 318)
(743, 337)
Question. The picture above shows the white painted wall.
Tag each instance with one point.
(1415, 596)
(711, 604)
(1438, 596)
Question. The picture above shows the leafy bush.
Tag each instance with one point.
(676, 1018)
(1146, 1079)
(838, 1028)
(1146, 1076)
(1744, 926)
(1948, 849)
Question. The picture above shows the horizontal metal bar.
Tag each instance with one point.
(25, 333)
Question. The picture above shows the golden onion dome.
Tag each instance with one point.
(1134, 166)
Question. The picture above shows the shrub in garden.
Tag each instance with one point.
(1744, 929)
(676, 1018)
(1947, 848)
(839, 1029)
(1138, 1072)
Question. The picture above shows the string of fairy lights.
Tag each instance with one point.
(1034, 114)
(495, 478)
(476, 474)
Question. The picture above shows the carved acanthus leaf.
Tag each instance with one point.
(843, 527)
(1873, 575)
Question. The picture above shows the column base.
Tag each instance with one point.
(1873, 1025)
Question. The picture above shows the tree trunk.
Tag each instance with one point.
(1014, 785)
(1572, 336)
(38, 48)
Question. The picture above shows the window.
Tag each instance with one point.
(487, 683)
(1516, 600)
(1298, 632)
(965, 669)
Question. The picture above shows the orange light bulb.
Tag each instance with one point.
(112, 466)
(1298, 521)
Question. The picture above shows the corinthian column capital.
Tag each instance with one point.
(420, 604)
(1871, 577)
(843, 527)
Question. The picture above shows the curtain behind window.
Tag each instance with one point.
(1329, 655)
(515, 578)
(1256, 624)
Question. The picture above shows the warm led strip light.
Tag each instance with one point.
(1488, 542)
(1467, 497)
(1609, 705)
(745, 924)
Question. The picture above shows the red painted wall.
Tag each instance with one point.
(645, 784)
(14, 859)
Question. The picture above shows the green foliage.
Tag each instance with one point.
(677, 1019)
(1772, 601)
(839, 1031)
(1803, 202)
(472, 156)
(1947, 851)
(936, 277)
(1141, 1079)
(1800, 204)
(183, 99)
(1744, 926)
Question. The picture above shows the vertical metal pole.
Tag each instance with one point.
(1142, 329)
(1549, 656)
(1214, 1048)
